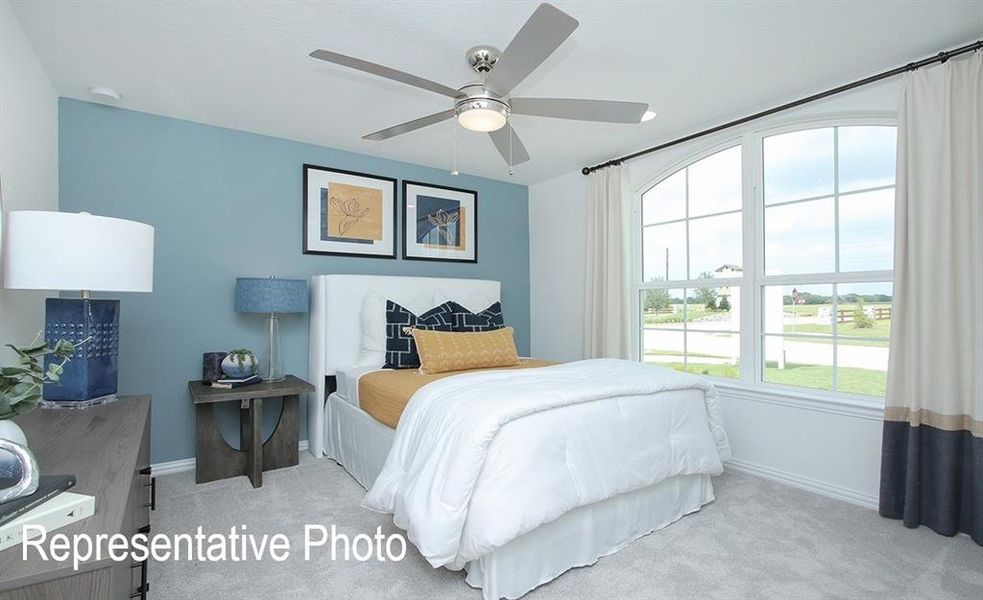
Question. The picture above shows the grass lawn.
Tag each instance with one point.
(854, 381)
(880, 329)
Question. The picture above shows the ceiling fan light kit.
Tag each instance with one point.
(481, 110)
(486, 106)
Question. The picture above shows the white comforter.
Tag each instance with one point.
(479, 459)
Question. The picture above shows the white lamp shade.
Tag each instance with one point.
(77, 251)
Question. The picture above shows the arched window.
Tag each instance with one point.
(782, 280)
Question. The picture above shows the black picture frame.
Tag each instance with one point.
(406, 235)
(305, 246)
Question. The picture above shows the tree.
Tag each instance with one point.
(860, 318)
(656, 300)
(707, 295)
(724, 303)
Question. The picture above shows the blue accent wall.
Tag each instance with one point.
(225, 204)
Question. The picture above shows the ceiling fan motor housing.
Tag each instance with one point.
(483, 58)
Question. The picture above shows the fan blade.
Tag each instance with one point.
(501, 138)
(606, 111)
(382, 71)
(543, 33)
(409, 126)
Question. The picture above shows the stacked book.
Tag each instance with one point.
(51, 507)
(228, 384)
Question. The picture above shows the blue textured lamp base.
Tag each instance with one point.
(90, 377)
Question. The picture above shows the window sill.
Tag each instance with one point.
(815, 400)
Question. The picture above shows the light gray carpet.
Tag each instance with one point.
(757, 540)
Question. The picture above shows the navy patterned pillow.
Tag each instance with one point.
(400, 348)
(489, 319)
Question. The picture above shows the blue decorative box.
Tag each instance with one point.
(92, 371)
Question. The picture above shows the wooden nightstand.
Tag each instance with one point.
(215, 459)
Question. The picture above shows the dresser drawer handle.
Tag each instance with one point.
(153, 494)
(146, 471)
(141, 592)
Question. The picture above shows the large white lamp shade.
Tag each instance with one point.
(77, 251)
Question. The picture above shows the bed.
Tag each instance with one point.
(576, 462)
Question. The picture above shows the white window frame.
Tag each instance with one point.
(752, 334)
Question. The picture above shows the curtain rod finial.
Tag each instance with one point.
(585, 170)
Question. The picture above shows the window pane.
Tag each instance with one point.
(662, 347)
(664, 257)
(663, 308)
(714, 307)
(799, 361)
(799, 238)
(868, 382)
(715, 354)
(666, 201)
(798, 309)
(715, 246)
(798, 165)
(864, 316)
(867, 157)
(867, 231)
(715, 183)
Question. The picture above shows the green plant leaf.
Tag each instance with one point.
(27, 406)
(64, 348)
(14, 371)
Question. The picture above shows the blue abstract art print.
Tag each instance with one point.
(440, 223)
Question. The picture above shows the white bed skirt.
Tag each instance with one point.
(355, 440)
(584, 535)
(360, 444)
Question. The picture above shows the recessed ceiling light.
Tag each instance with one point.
(104, 94)
(648, 116)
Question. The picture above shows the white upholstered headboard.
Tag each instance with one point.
(335, 337)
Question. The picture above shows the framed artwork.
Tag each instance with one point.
(348, 213)
(439, 223)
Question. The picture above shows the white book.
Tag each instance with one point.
(65, 508)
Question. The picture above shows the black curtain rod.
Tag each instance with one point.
(941, 57)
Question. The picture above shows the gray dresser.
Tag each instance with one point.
(107, 448)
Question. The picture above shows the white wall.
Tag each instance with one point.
(28, 159)
(557, 264)
(825, 447)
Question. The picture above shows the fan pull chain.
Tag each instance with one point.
(511, 131)
(454, 125)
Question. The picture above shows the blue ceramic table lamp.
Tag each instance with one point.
(82, 253)
(272, 297)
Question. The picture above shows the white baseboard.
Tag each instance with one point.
(805, 483)
(188, 464)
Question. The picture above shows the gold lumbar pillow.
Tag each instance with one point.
(443, 351)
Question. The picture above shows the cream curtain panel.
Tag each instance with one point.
(932, 461)
(606, 333)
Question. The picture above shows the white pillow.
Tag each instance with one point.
(473, 301)
(373, 320)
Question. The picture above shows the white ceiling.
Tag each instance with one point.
(244, 65)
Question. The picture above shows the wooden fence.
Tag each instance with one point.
(880, 313)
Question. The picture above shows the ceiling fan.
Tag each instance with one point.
(486, 105)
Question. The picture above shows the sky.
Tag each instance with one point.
(799, 167)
